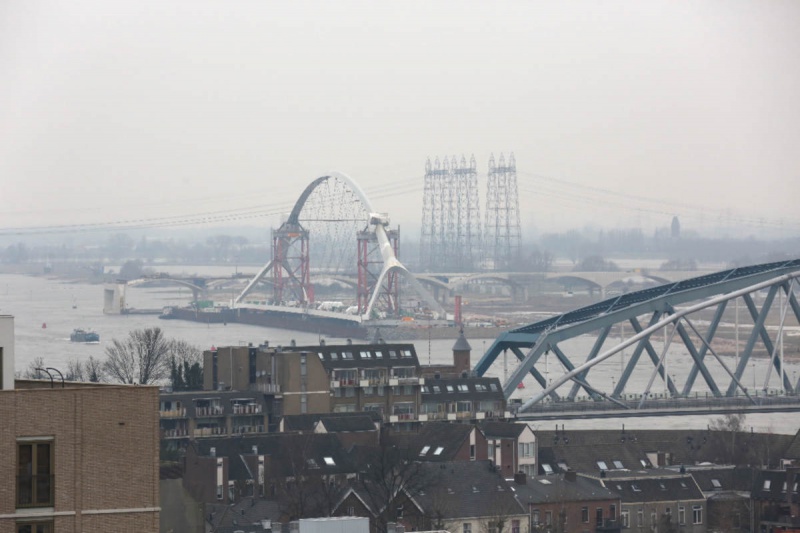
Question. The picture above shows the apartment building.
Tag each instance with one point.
(76, 457)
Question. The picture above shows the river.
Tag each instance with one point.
(46, 310)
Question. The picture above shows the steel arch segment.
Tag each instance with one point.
(253, 282)
(301, 201)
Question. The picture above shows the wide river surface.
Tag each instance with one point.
(46, 310)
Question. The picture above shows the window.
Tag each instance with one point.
(767, 484)
(329, 461)
(640, 518)
(602, 465)
(547, 469)
(626, 519)
(718, 485)
(635, 488)
(471, 452)
(681, 515)
(304, 403)
(365, 354)
(697, 514)
(351, 511)
(536, 516)
(783, 490)
(303, 369)
(612, 512)
(467, 528)
(463, 388)
(598, 516)
(548, 518)
(35, 474)
(515, 526)
(618, 465)
(526, 449)
(424, 450)
(35, 527)
(585, 515)
(653, 519)
(438, 451)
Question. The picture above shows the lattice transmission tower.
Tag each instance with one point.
(450, 237)
(502, 232)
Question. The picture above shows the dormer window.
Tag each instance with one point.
(618, 465)
(563, 466)
(424, 450)
(334, 356)
(602, 465)
(365, 354)
(438, 451)
(547, 469)
(716, 484)
(767, 484)
(329, 461)
(463, 388)
(450, 388)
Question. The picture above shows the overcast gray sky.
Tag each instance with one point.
(136, 109)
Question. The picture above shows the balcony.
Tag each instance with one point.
(408, 381)
(174, 413)
(266, 388)
(339, 383)
(242, 430)
(175, 433)
(464, 415)
(209, 432)
(35, 490)
(247, 409)
(214, 410)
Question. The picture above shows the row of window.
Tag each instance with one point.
(697, 516)
(493, 527)
(348, 355)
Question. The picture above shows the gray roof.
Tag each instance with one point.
(461, 344)
(655, 489)
(464, 489)
(469, 388)
(776, 485)
(556, 488)
(350, 355)
(245, 515)
(289, 452)
(307, 422)
(502, 430)
(432, 436)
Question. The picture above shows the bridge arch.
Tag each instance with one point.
(294, 216)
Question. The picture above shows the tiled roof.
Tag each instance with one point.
(776, 485)
(722, 479)
(363, 355)
(793, 450)
(289, 453)
(502, 430)
(556, 488)
(309, 421)
(465, 489)
(246, 512)
(581, 449)
(336, 424)
(453, 389)
(438, 440)
(655, 489)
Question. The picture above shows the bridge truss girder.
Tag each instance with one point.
(291, 272)
(661, 304)
(370, 266)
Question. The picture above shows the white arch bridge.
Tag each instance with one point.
(333, 230)
(737, 330)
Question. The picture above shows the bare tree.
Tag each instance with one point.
(500, 520)
(30, 371)
(389, 477)
(90, 370)
(142, 358)
(724, 431)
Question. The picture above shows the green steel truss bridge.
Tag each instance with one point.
(728, 328)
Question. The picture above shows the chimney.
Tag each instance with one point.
(322, 342)
(571, 476)
(293, 343)
(520, 478)
(349, 341)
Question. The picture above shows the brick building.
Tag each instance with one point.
(76, 457)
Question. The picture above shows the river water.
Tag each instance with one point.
(46, 310)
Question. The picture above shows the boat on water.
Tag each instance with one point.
(82, 335)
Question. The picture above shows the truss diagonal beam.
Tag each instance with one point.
(601, 338)
(698, 359)
(655, 358)
(637, 352)
(535, 373)
(758, 326)
(712, 329)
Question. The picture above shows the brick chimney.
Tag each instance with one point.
(520, 478)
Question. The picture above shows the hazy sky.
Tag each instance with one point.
(138, 110)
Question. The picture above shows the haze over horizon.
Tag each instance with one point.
(619, 115)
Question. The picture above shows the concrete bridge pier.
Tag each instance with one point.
(114, 298)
